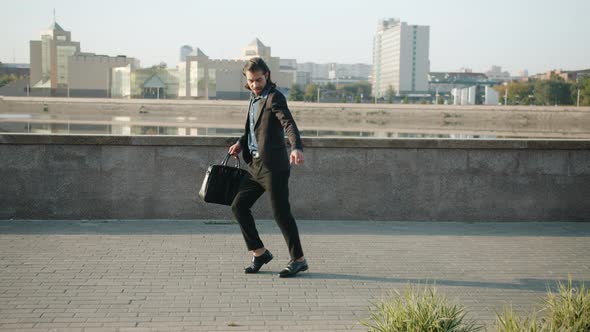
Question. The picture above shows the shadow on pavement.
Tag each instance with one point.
(537, 285)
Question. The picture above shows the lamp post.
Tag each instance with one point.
(318, 94)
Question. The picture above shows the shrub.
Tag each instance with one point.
(568, 310)
(508, 321)
(418, 310)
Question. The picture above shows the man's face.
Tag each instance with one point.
(256, 81)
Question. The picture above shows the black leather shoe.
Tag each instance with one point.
(257, 262)
(293, 268)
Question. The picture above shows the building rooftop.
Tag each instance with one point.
(256, 42)
(56, 27)
(15, 65)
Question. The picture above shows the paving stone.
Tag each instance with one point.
(188, 275)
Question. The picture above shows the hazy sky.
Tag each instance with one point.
(537, 35)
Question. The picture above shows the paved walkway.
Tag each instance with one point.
(187, 275)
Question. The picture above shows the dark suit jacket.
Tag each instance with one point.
(274, 120)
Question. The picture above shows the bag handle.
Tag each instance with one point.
(226, 159)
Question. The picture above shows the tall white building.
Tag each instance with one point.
(400, 58)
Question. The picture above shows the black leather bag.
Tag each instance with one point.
(222, 182)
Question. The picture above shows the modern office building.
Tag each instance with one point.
(145, 83)
(49, 58)
(201, 77)
(317, 71)
(59, 68)
(89, 74)
(462, 88)
(400, 59)
(445, 82)
(256, 49)
(496, 73)
(283, 79)
(475, 95)
(335, 73)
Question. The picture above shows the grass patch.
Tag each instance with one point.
(423, 309)
(566, 310)
(418, 309)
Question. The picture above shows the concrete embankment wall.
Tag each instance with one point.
(382, 120)
(138, 177)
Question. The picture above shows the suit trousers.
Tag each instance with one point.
(276, 183)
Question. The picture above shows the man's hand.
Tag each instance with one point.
(235, 149)
(297, 157)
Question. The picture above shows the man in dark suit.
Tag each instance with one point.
(263, 148)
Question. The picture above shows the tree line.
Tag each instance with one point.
(6, 78)
(554, 91)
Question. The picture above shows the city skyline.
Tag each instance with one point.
(525, 35)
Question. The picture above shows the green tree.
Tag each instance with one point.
(523, 93)
(311, 92)
(354, 89)
(520, 93)
(583, 86)
(296, 93)
(501, 90)
(5, 79)
(390, 94)
(554, 91)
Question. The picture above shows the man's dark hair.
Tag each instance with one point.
(254, 65)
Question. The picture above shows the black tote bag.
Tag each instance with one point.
(222, 182)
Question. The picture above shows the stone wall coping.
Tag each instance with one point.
(310, 142)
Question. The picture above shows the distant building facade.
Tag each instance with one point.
(89, 74)
(290, 66)
(49, 58)
(204, 78)
(335, 73)
(475, 95)
(496, 73)
(317, 71)
(144, 83)
(59, 68)
(463, 88)
(400, 58)
(445, 82)
(566, 75)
